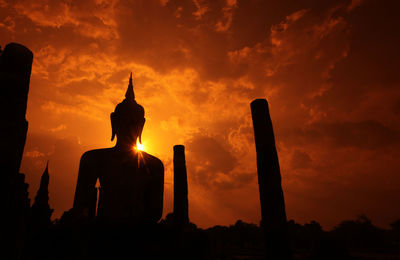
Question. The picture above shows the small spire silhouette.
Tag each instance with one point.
(41, 211)
(130, 95)
(44, 182)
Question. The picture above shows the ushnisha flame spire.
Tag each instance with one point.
(130, 94)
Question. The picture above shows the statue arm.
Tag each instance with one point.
(85, 192)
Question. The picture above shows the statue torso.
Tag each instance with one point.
(129, 183)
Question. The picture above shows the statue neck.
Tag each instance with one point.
(125, 145)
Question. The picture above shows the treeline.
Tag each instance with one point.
(351, 239)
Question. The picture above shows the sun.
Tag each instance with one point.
(139, 146)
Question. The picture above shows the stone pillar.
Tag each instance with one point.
(273, 215)
(15, 72)
(181, 216)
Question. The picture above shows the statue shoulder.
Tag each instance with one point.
(153, 161)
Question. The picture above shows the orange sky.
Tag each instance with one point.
(328, 68)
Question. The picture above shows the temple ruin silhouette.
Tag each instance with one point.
(125, 219)
(41, 211)
(131, 181)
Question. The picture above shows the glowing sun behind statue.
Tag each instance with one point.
(139, 146)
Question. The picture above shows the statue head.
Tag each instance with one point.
(127, 120)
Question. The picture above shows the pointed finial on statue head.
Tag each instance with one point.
(130, 95)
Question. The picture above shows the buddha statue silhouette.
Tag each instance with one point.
(131, 181)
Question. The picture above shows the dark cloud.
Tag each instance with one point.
(371, 62)
(367, 134)
(300, 160)
(208, 158)
(363, 135)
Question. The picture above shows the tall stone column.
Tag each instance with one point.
(15, 72)
(273, 215)
(181, 216)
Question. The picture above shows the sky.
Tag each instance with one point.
(329, 70)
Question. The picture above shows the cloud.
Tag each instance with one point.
(362, 135)
(99, 23)
(300, 159)
(211, 162)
